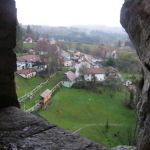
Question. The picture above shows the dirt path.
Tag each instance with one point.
(96, 124)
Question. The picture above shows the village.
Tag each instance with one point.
(72, 83)
(78, 67)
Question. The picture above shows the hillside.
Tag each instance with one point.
(82, 34)
(99, 117)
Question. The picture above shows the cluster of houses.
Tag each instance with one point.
(29, 65)
(93, 69)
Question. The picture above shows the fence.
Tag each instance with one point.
(34, 91)
(37, 106)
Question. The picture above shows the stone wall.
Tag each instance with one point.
(7, 57)
(135, 18)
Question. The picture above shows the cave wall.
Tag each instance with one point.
(135, 18)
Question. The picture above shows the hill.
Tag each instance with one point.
(99, 117)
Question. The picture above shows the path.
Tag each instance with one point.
(96, 124)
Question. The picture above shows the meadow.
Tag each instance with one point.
(102, 117)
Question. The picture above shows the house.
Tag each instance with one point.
(21, 65)
(27, 61)
(65, 55)
(97, 61)
(26, 73)
(128, 83)
(95, 72)
(28, 40)
(111, 71)
(45, 98)
(69, 79)
(68, 63)
(77, 54)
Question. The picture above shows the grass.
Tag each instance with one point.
(26, 85)
(73, 109)
(128, 76)
(29, 45)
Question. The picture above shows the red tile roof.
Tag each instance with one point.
(95, 70)
(24, 72)
(29, 58)
(70, 75)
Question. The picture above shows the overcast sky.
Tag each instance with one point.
(69, 12)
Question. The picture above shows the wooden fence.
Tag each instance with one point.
(37, 106)
(30, 94)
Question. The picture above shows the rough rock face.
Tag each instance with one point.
(135, 18)
(7, 57)
(24, 131)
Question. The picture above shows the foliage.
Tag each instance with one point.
(114, 84)
(110, 62)
(50, 54)
(83, 70)
(79, 35)
(128, 62)
(100, 51)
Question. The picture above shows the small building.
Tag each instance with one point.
(68, 63)
(111, 71)
(21, 65)
(69, 79)
(28, 40)
(45, 98)
(28, 61)
(95, 72)
(27, 74)
(77, 54)
(128, 83)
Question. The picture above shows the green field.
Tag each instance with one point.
(29, 45)
(24, 86)
(99, 117)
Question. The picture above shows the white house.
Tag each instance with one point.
(69, 79)
(28, 40)
(27, 61)
(21, 65)
(95, 72)
(111, 71)
(26, 73)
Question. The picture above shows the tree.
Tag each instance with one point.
(101, 51)
(110, 62)
(128, 62)
(50, 54)
(29, 31)
(83, 70)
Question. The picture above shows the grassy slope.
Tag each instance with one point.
(29, 45)
(26, 85)
(73, 109)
